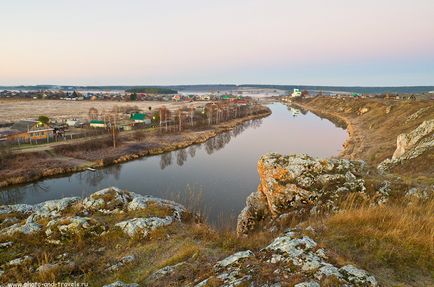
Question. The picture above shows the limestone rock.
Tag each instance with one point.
(121, 263)
(417, 114)
(47, 268)
(53, 208)
(307, 284)
(233, 258)
(114, 200)
(405, 142)
(69, 225)
(20, 261)
(294, 257)
(141, 202)
(411, 145)
(165, 271)
(121, 284)
(16, 208)
(4, 245)
(388, 109)
(419, 193)
(358, 276)
(29, 227)
(108, 200)
(299, 184)
(363, 111)
(142, 226)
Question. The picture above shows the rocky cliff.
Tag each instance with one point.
(298, 185)
(411, 145)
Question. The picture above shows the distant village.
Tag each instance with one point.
(190, 110)
(211, 109)
(104, 96)
(297, 93)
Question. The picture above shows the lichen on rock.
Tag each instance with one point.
(411, 145)
(142, 226)
(299, 185)
(295, 258)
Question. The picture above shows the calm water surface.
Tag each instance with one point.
(215, 176)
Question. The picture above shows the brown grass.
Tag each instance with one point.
(373, 134)
(395, 242)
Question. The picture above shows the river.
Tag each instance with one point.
(214, 177)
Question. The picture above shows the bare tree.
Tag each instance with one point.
(165, 117)
(93, 113)
(111, 120)
(191, 113)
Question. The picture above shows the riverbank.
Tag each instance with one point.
(312, 222)
(385, 229)
(373, 126)
(68, 158)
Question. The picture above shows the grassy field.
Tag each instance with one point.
(14, 110)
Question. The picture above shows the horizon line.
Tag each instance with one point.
(215, 84)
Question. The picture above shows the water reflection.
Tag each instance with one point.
(296, 111)
(166, 160)
(214, 177)
(181, 156)
(17, 194)
(192, 150)
(212, 145)
(10, 196)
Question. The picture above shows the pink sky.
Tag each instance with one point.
(330, 42)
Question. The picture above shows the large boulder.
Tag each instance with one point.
(411, 145)
(142, 226)
(405, 142)
(298, 185)
(62, 218)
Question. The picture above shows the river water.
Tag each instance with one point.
(214, 177)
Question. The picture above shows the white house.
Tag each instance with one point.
(296, 93)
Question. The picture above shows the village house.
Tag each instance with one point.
(140, 118)
(296, 93)
(29, 131)
(97, 124)
(176, 98)
(74, 123)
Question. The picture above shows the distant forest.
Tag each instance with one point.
(151, 90)
(211, 88)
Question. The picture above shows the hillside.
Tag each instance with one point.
(374, 126)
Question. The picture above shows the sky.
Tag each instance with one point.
(168, 42)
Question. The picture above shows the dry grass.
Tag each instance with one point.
(395, 242)
(373, 134)
(18, 109)
(196, 244)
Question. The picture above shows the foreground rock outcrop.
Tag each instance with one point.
(411, 145)
(56, 224)
(292, 259)
(29, 219)
(298, 185)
